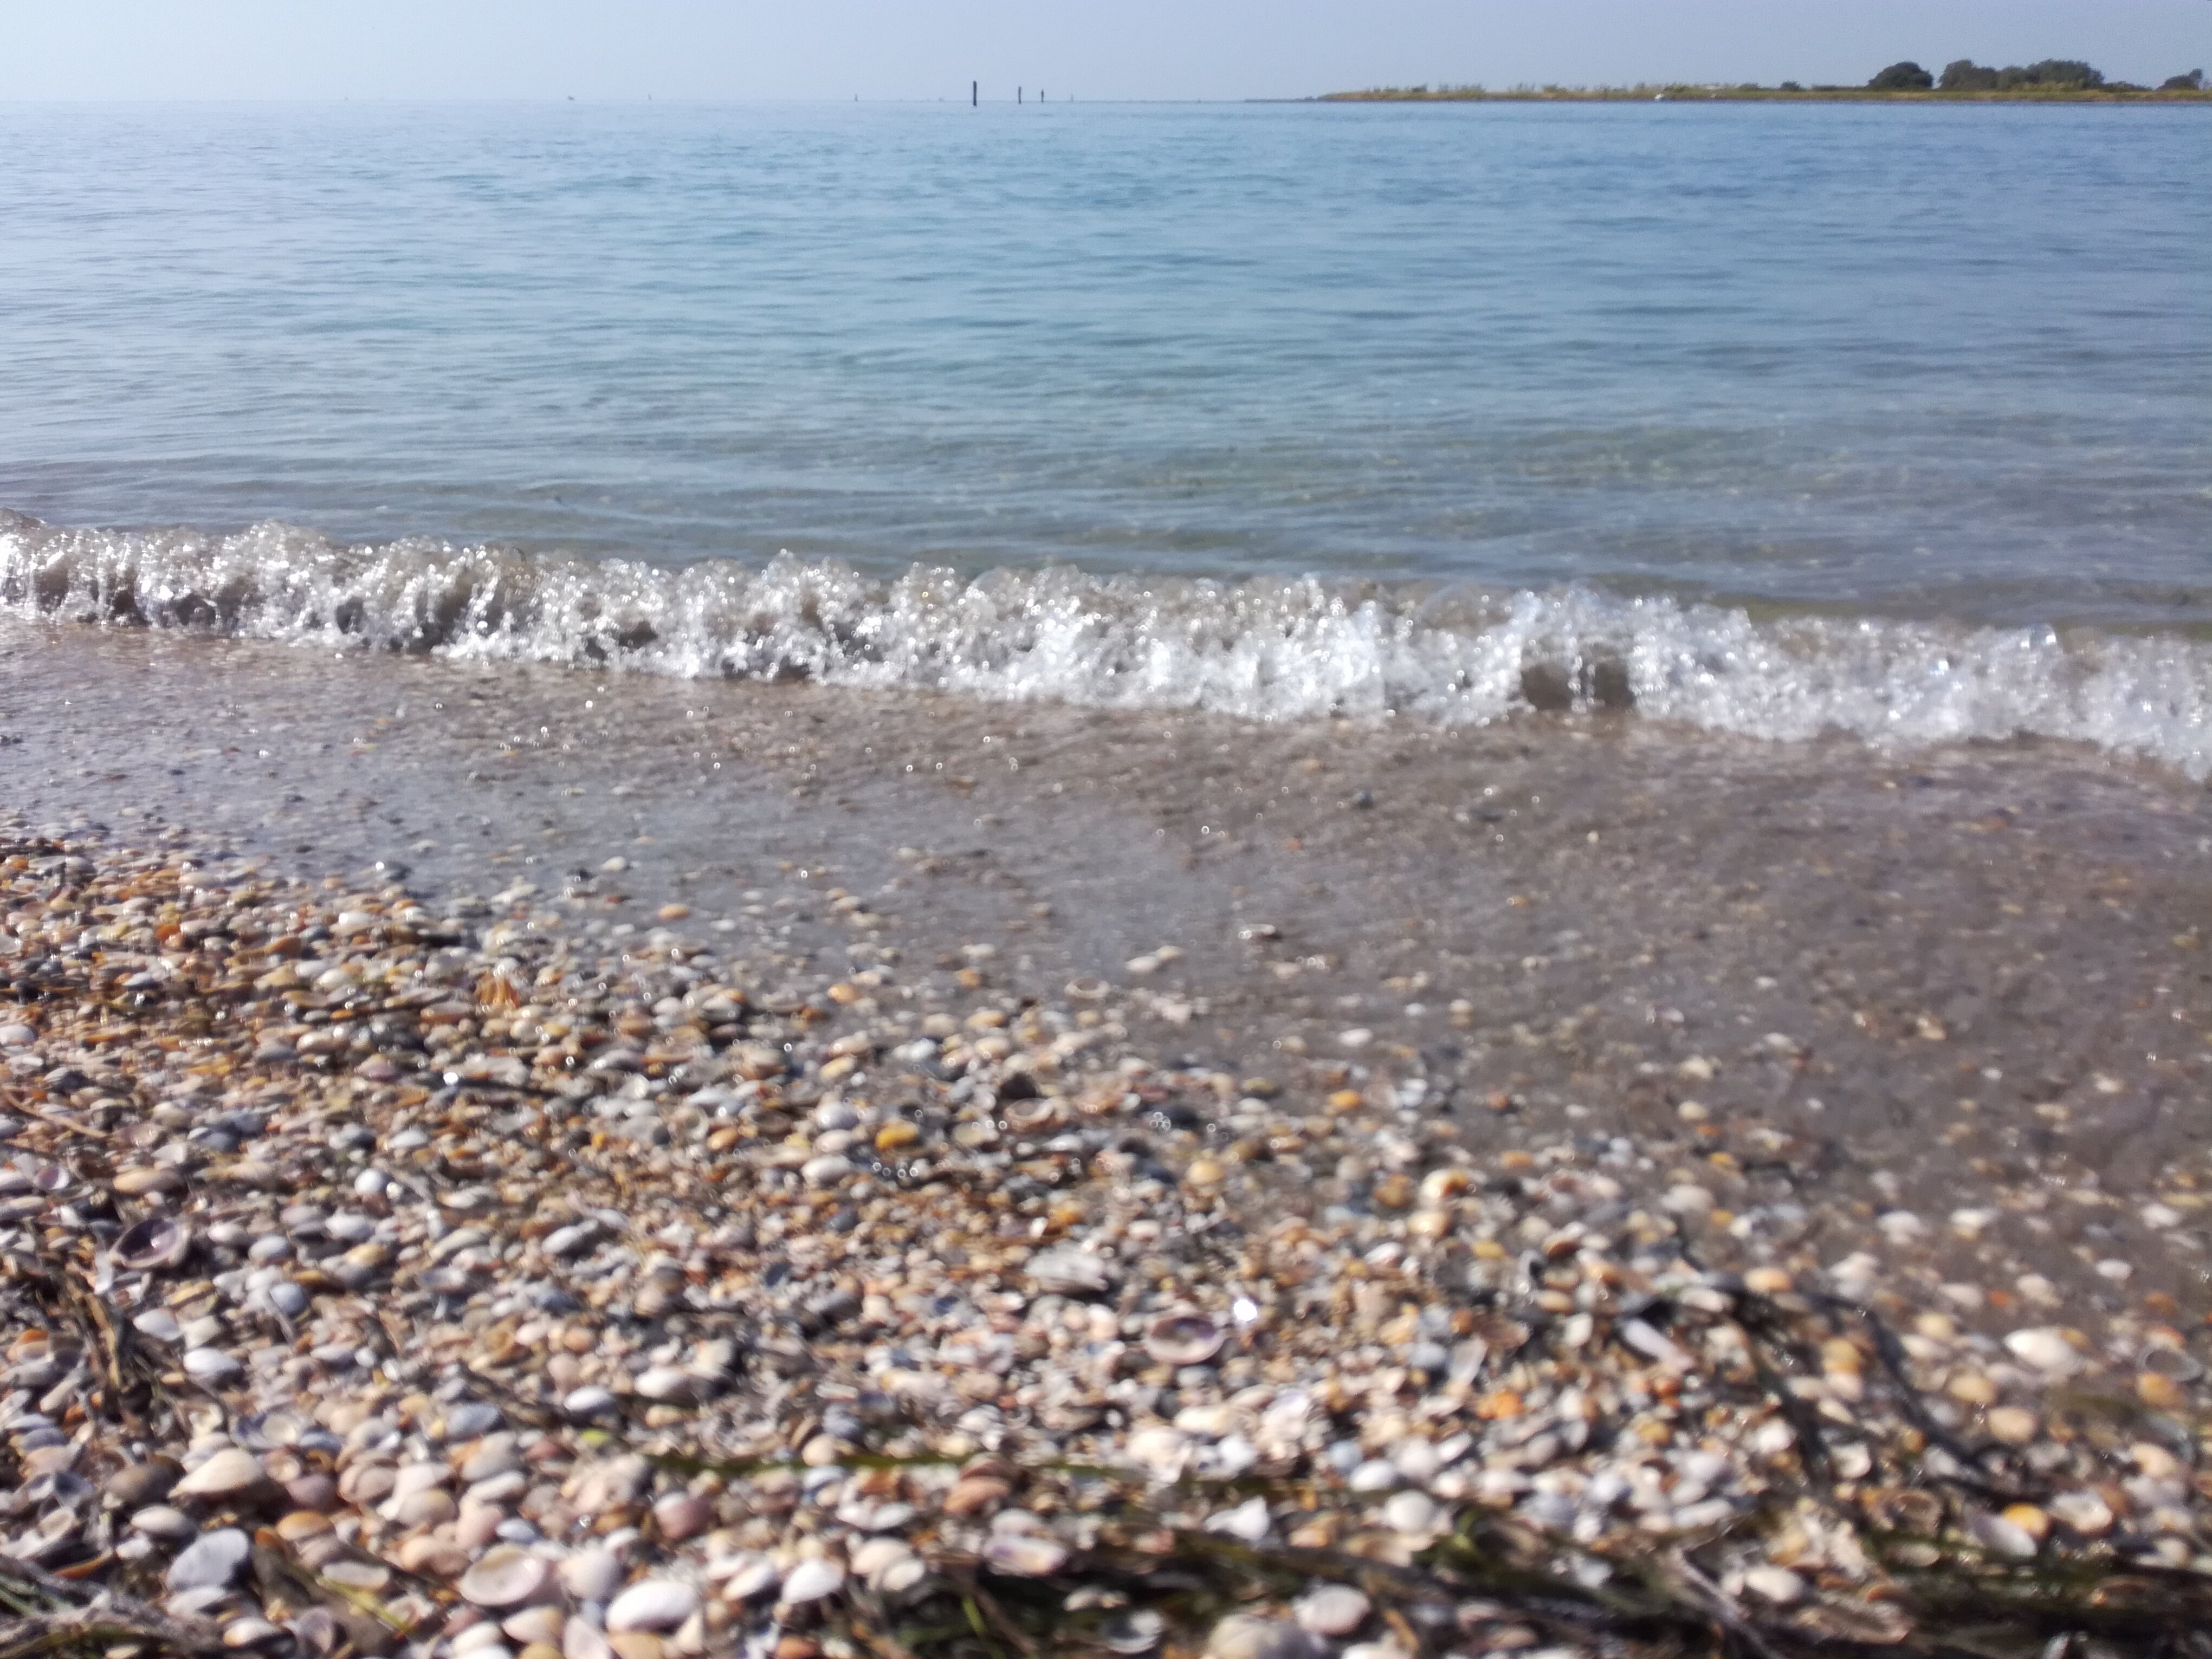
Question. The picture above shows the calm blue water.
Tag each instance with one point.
(1807, 418)
(1951, 360)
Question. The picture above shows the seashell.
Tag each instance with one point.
(2174, 1364)
(211, 1562)
(682, 1515)
(369, 1577)
(757, 1577)
(1135, 1632)
(1035, 1116)
(811, 1580)
(871, 1557)
(507, 1576)
(1777, 1585)
(588, 1402)
(1025, 1554)
(152, 1245)
(1411, 1512)
(540, 1624)
(159, 1324)
(1068, 1272)
(264, 1431)
(653, 1604)
(1334, 1610)
(159, 1520)
(2084, 1511)
(1183, 1340)
(211, 1367)
(1247, 1636)
(2000, 1536)
(2046, 1349)
(592, 1574)
(228, 1472)
(135, 1484)
(53, 1178)
(667, 1383)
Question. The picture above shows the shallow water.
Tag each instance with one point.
(1949, 361)
(1774, 421)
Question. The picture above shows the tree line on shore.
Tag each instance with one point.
(2058, 74)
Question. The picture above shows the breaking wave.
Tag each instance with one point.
(1263, 648)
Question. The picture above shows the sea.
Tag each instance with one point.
(1589, 618)
(1773, 420)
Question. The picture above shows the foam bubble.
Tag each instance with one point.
(1265, 649)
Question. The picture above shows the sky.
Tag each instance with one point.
(1108, 49)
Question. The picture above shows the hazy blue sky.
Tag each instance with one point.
(1108, 49)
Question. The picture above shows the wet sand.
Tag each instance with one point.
(1821, 979)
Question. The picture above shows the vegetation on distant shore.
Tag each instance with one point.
(2054, 80)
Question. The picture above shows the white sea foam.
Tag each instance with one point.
(1265, 649)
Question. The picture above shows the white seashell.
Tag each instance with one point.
(506, 1577)
(1248, 1521)
(1331, 1610)
(230, 1472)
(1161, 1452)
(872, 1556)
(537, 1624)
(756, 1578)
(588, 1402)
(900, 1576)
(1025, 1554)
(667, 1383)
(211, 1562)
(159, 1520)
(2000, 1536)
(1778, 1585)
(592, 1574)
(1183, 1340)
(1135, 1632)
(2084, 1511)
(159, 1324)
(652, 1604)
(2045, 1349)
(211, 1367)
(810, 1581)
(1413, 1513)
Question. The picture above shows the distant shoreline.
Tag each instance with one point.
(1750, 94)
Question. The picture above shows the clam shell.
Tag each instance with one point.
(506, 1577)
(1031, 1117)
(1135, 1632)
(2170, 1362)
(264, 1431)
(653, 1604)
(1025, 1554)
(153, 1245)
(1183, 1340)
